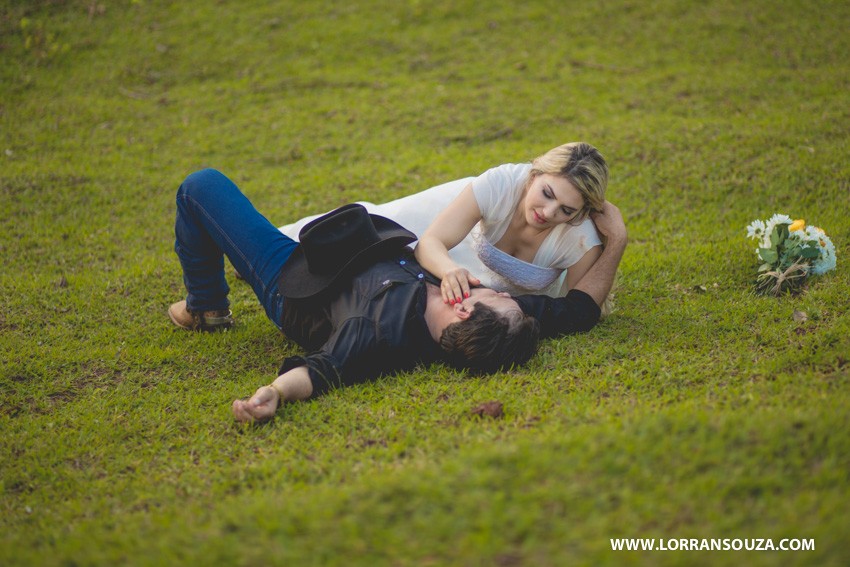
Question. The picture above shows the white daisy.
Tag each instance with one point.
(756, 229)
(771, 224)
(779, 219)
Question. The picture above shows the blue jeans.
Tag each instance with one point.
(215, 219)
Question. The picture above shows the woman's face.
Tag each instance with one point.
(551, 200)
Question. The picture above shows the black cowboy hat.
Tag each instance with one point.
(336, 243)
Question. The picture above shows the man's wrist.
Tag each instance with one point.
(278, 390)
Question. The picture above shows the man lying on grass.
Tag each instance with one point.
(352, 294)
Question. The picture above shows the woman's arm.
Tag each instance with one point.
(447, 230)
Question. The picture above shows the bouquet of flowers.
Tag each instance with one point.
(789, 251)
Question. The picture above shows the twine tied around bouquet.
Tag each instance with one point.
(788, 277)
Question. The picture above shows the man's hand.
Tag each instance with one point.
(610, 223)
(261, 407)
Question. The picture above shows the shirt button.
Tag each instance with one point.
(420, 276)
(403, 263)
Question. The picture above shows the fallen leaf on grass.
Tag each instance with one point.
(489, 409)
(799, 316)
(531, 422)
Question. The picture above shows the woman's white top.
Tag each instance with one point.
(498, 192)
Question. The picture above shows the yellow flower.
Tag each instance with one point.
(798, 224)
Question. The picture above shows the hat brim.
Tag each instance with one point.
(297, 282)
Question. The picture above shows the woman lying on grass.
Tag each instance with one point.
(518, 228)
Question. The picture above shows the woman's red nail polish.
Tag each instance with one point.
(466, 295)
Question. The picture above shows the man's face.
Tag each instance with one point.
(501, 302)
(439, 315)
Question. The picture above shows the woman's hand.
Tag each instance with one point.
(455, 285)
(261, 407)
(447, 230)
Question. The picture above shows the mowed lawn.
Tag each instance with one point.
(697, 410)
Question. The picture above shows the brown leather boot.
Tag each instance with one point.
(201, 321)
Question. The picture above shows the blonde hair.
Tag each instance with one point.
(583, 166)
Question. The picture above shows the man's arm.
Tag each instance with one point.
(290, 386)
(599, 279)
(351, 355)
(579, 310)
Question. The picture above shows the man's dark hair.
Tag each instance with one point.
(487, 341)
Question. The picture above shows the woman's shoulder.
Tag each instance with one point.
(492, 186)
(507, 174)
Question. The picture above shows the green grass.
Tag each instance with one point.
(688, 413)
